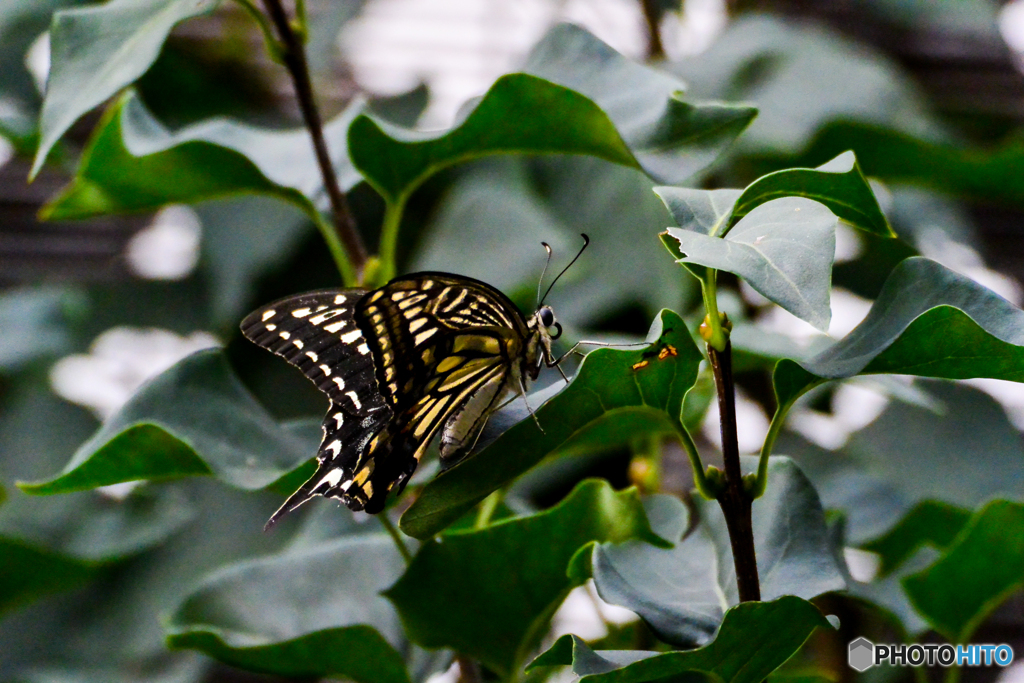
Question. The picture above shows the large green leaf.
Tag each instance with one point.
(839, 184)
(928, 321)
(55, 544)
(311, 612)
(783, 249)
(95, 51)
(670, 138)
(449, 596)
(984, 566)
(133, 163)
(984, 175)
(194, 419)
(930, 522)
(755, 639)
(570, 101)
(683, 592)
(607, 405)
(519, 113)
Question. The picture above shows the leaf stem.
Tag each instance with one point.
(393, 211)
(952, 674)
(715, 334)
(700, 479)
(269, 39)
(778, 419)
(395, 536)
(734, 499)
(294, 58)
(487, 508)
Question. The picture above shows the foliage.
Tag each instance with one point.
(129, 582)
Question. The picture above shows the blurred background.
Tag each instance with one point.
(929, 94)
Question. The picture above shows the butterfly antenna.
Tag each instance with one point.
(586, 242)
(540, 282)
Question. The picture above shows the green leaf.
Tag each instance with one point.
(928, 321)
(310, 612)
(783, 249)
(839, 184)
(53, 545)
(607, 405)
(670, 138)
(683, 593)
(194, 419)
(930, 522)
(570, 101)
(449, 597)
(518, 114)
(755, 639)
(33, 324)
(986, 175)
(133, 163)
(28, 572)
(95, 51)
(985, 564)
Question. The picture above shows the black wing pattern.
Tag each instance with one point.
(317, 333)
(399, 362)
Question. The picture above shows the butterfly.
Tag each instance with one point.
(427, 353)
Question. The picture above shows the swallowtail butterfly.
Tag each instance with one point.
(426, 353)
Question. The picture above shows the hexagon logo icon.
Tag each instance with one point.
(862, 654)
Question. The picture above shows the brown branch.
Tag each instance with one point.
(294, 56)
(655, 48)
(734, 500)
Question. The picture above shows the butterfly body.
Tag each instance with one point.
(425, 354)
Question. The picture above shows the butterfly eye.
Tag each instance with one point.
(547, 316)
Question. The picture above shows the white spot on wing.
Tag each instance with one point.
(312, 356)
(363, 349)
(425, 335)
(326, 370)
(285, 335)
(331, 478)
(298, 344)
(417, 324)
(267, 315)
(335, 447)
(339, 418)
(334, 327)
(340, 299)
(301, 312)
(355, 399)
(271, 327)
(350, 337)
(340, 382)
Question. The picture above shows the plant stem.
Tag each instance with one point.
(395, 536)
(717, 338)
(700, 479)
(469, 670)
(655, 48)
(393, 210)
(487, 508)
(734, 499)
(294, 55)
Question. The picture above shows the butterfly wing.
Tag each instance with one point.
(317, 333)
(443, 343)
(397, 363)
